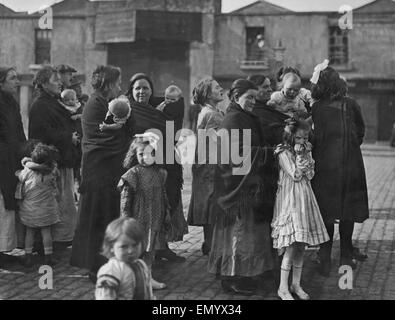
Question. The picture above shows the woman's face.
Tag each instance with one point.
(53, 86)
(217, 93)
(265, 91)
(142, 91)
(247, 100)
(11, 83)
(115, 88)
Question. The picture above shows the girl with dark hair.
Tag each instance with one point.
(340, 181)
(102, 156)
(12, 139)
(208, 94)
(241, 245)
(50, 123)
(297, 221)
(146, 117)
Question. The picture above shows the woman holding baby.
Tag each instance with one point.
(103, 152)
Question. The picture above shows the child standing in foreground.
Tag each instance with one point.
(37, 194)
(143, 195)
(297, 220)
(124, 276)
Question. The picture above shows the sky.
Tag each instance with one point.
(227, 5)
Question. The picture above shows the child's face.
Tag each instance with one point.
(291, 89)
(301, 137)
(126, 249)
(146, 156)
(171, 97)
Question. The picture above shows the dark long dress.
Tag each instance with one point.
(201, 208)
(102, 158)
(340, 182)
(241, 241)
(12, 139)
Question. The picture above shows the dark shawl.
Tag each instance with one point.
(272, 122)
(102, 152)
(258, 187)
(50, 123)
(147, 117)
(340, 182)
(12, 138)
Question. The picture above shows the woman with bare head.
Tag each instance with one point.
(208, 94)
(241, 245)
(102, 156)
(51, 123)
(12, 139)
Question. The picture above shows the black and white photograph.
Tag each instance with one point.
(213, 151)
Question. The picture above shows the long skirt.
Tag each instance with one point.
(242, 248)
(7, 227)
(64, 230)
(98, 207)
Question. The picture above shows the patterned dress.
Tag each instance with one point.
(143, 197)
(297, 217)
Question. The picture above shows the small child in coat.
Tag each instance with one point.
(37, 192)
(124, 276)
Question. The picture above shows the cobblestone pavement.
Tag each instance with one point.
(373, 279)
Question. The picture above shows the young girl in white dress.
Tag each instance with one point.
(297, 220)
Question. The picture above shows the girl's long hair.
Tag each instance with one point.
(131, 156)
(293, 125)
(329, 86)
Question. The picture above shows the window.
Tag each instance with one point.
(43, 46)
(338, 46)
(255, 43)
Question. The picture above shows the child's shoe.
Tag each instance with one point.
(49, 260)
(299, 292)
(285, 295)
(157, 285)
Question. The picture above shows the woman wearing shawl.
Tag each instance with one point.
(50, 123)
(145, 117)
(12, 139)
(241, 246)
(102, 158)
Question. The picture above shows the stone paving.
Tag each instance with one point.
(373, 279)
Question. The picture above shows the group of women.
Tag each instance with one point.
(234, 210)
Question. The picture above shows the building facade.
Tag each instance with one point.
(180, 42)
(260, 38)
